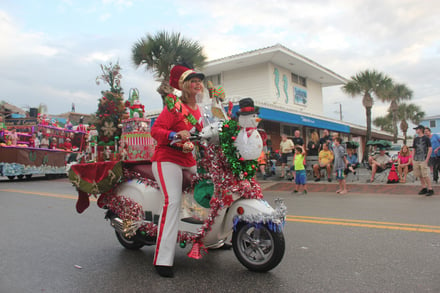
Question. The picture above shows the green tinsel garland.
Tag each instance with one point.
(241, 168)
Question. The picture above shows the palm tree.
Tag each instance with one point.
(161, 51)
(385, 123)
(410, 112)
(369, 84)
(398, 93)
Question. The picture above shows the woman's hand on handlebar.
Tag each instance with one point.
(183, 135)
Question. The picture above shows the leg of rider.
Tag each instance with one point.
(169, 177)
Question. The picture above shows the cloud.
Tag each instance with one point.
(99, 57)
(399, 38)
(16, 43)
(104, 17)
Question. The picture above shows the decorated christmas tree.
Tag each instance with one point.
(111, 106)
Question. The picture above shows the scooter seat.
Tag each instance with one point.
(146, 171)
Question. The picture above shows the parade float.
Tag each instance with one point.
(119, 137)
(37, 146)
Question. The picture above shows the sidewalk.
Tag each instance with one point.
(354, 185)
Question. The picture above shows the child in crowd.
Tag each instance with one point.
(262, 161)
(300, 178)
(353, 161)
(404, 161)
(340, 164)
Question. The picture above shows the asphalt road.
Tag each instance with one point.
(352, 243)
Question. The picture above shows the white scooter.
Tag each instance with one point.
(235, 214)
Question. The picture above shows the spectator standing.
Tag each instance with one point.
(340, 165)
(325, 139)
(300, 178)
(297, 139)
(404, 163)
(331, 146)
(286, 147)
(313, 146)
(325, 160)
(262, 162)
(421, 153)
(434, 160)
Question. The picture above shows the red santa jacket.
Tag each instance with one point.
(173, 121)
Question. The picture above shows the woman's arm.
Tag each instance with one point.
(162, 127)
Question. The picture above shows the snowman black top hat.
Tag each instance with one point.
(247, 107)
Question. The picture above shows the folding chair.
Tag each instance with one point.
(381, 174)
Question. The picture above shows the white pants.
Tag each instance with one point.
(169, 177)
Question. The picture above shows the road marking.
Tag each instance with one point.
(365, 224)
(45, 194)
(292, 218)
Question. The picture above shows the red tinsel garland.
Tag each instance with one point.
(225, 182)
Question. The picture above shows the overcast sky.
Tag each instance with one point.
(50, 51)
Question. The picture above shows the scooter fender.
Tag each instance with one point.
(247, 208)
(148, 197)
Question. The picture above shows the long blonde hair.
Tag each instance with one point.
(404, 154)
(314, 137)
(186, 86)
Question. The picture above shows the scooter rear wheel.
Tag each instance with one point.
(129, 243)
(257, 247)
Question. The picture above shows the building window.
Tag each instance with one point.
(289, 130)
(215, 79)
(432, 124)
(299, 80)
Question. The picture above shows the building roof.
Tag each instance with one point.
(9, 109)
(431, 117)
(74, 117)
(280, 56)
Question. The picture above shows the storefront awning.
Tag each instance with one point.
(292, 118)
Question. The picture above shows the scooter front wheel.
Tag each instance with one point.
(129, 243)
(257, 247)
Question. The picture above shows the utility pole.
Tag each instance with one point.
(340, 110)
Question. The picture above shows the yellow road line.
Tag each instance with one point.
(292, 218)
(45, 194)
(365, 224)
(361, 221)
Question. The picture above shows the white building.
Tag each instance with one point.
(288, 89)
(274, 76)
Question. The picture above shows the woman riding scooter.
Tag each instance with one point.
(178, 120)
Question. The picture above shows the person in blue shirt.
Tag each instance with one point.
(434, 160)
(353, 161)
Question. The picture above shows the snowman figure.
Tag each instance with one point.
(248, 142)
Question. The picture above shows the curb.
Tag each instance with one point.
(355, 188)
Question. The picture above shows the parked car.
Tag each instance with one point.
(393, 151)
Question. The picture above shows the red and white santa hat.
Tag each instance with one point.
(180, 73)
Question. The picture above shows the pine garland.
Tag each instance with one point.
(243, 169)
